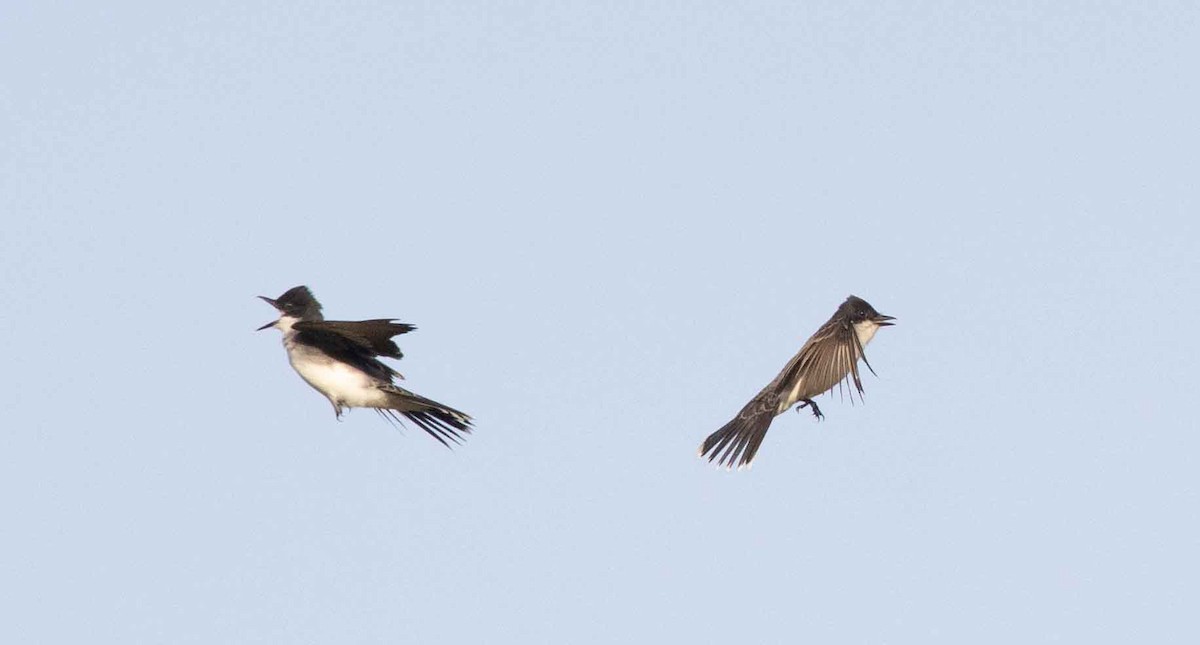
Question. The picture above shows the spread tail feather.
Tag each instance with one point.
(736, 443)
(441, 422)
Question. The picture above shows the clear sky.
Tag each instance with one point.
(612, 224)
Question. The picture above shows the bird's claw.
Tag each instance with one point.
(815, 410)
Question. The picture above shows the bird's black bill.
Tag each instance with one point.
(882, 320)
(269, 301)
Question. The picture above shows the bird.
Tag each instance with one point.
(828, 358)
(339, 359)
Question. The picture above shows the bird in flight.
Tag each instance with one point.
(827, 359)
(339, 359)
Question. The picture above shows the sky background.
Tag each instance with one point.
(612, 224)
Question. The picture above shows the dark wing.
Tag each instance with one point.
(824, 361)
(374, 336)
(353, 347)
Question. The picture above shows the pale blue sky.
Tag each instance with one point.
(612, 224)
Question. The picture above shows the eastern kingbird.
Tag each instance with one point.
(338, 358)
(824, 361)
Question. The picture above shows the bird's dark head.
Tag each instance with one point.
(297, 302)
(858, 311)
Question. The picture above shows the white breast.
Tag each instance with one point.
(340, 383)
(865, 330)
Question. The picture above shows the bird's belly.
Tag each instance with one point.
(800, 391)
(791, 398)
(341, 383)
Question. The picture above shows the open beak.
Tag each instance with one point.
(883, 321)
(271, 302)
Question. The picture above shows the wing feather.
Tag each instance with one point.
(825, 361)
(348, 348)
(374, 336)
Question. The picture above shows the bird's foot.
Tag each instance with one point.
(815, 410)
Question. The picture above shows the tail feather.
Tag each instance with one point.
(736, 443)
(441, 422)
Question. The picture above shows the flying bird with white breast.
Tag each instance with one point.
(340, 360)
(826, 360)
